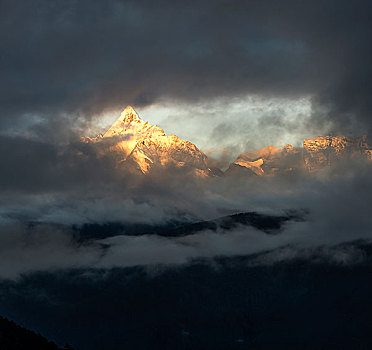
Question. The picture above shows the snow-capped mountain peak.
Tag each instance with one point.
(129, 119)
(142, 146)
(129, 115)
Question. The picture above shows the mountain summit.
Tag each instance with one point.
(143, 147)
(127, 117)
(129, 114)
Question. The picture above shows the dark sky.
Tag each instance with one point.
(65, 60)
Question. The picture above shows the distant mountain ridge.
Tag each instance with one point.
(316, 154)
(268, 224)
(326, 150)
(143, 148)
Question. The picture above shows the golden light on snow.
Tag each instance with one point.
(224, 126)
(143, 146)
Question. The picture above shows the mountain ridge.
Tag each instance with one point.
(142, 148)
(145, 147)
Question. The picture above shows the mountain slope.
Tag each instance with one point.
(14, 337)
(316, 154)
(324, 151)
(144, 147)
(267, 161)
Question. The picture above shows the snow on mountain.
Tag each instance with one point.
(143, 146)
(264, 152)
(324, 151)
(316, 154)
(267, 161)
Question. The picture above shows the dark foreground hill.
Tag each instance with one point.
(317, 299)
(14, 337)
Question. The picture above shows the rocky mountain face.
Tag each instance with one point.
(326, 150)
(142, 147)
(267, 161)
(316, 154)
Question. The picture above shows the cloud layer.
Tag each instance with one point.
(62, 61)
(37, 230)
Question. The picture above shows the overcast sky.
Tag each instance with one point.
(195, 67)
(227, 75)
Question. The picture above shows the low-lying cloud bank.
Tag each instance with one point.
(36, 233)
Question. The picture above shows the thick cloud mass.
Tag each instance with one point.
(76, 59)
(63, 63)
(39, 207)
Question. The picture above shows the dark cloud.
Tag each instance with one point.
(80, 58)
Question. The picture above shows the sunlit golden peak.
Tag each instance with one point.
(129, 115)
